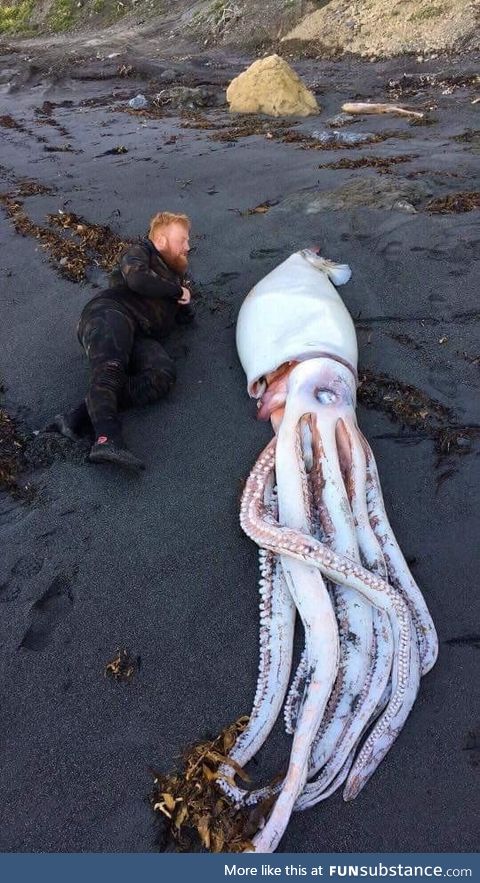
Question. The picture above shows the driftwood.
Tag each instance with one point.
(367, 107)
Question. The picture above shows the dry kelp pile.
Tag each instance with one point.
(45, 117)
(148, 113)
(194, 813)
(454, 202)
(32, 188)
(9, 122)
(98, 241)
(192, 120)
(250, 125)
(412, 408)
(87, 245)
(381, 163)
(11, 454)
(67, 256)
(470, 136)
(410, 84)
(122, 667)
(282, 130)
(336, 141)
(13, 446)
(403, 403)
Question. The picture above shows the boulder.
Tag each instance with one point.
(138, 103)
(189, 97)
(270, 86)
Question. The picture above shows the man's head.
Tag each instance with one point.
(170, 236)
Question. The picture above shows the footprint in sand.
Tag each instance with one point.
(27, 566)
(392, 250)
(263, 253)
(472, 746)
(46, 614)
(441, 380)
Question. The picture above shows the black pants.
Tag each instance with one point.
(126, 368)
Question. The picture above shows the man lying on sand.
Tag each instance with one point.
(120, 330)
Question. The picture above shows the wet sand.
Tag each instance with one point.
(157, 564)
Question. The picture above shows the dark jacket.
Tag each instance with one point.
(145, 287)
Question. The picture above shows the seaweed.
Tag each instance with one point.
(12, 458)
(427, 120)
(60, 148)
(193, 813)
(454, 202)
(32, 188)
(413, 408)
(468, 137)
(262, 208)
(45, 118)
(9, 122)
(68, 256)
(114, 151)
(381, 163)
(310, 142)
(402, 403)
(150, 113)
(126, 70)
(410, 84)
(88, 244)
(98, 240)
(122, 667)
(250, 125)
(192, 120)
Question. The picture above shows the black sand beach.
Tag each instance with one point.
(100, 560)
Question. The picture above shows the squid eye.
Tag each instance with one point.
(325, 396)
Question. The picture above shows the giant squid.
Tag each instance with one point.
(313, 504)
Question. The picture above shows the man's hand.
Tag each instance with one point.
(186, 297)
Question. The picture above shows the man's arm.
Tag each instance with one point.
(135, 268)
(186, 313)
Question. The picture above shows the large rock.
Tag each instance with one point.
(189, 97)
(270, 86)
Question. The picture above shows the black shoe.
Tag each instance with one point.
(74, 424)
(112, 452)
(62, 424)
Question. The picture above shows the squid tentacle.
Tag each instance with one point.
(370, 553)
(309, 796)
(356, 613)
(313, 603)
(263, 530)
(398, 570)
(295, 694)
(365, 712)
(277, 620)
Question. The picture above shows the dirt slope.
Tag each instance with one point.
(370, 27)
(377, 28)
(202, 21)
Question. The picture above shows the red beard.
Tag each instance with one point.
(177, 262)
